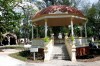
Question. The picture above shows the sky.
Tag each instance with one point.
(89, 1)
(93, 1)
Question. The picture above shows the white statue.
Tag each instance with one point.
(8, 40)
(60, 36)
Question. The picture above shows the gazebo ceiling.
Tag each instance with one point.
(59, 15)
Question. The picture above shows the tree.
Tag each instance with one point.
(59, 2)
(92, 25)
(27, 10)
(97, 19)
(8, 17)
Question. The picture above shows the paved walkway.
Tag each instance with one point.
(5, 60)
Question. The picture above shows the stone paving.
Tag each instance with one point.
(5, 60)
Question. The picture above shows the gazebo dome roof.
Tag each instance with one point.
(59, 15)
(59, 8)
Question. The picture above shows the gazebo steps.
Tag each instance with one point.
(60, 52)
(60, 57)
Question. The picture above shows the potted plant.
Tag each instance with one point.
(72, 38)
(46, 39)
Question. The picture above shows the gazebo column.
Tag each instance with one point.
(37, 32)
(85, 30)
(46, 27)
(73, 50)
(72, 30)
(85, 33)
(80, 39)
(32, 34)
(80, 31)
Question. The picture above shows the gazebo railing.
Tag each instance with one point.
(38, 42)
(48, 50)
(47, 46)
(81, 41)
(71, 48)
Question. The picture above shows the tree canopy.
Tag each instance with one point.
(8, 17)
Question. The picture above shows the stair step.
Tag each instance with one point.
(61, 58)
(60, 52)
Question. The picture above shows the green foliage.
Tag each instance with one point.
(12, 47)
(9, 20)
(42, 4)
(61, 2)
(91, 12)
(24, 53)
(64, 29)
(66, 33)
(72, 38)
(46, 39)
(17, 56)
(92, 26)
(66, 2)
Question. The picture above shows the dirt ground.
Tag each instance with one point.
(96, 58)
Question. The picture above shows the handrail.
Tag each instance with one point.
(71, 48)
(38, 42)
(48, 47)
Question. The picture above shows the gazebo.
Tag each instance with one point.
(59, 15)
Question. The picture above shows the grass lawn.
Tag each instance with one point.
(1, 50)
(17, 56)
(12, 47)
(24, 56)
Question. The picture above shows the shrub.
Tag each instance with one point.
(72, 38)
(12, 47)
(1, 50)
(46, 39)
(17, 56)
(25, 53)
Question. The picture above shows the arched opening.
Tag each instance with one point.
(9, 39)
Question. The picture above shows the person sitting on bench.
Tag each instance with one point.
(92, 45)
